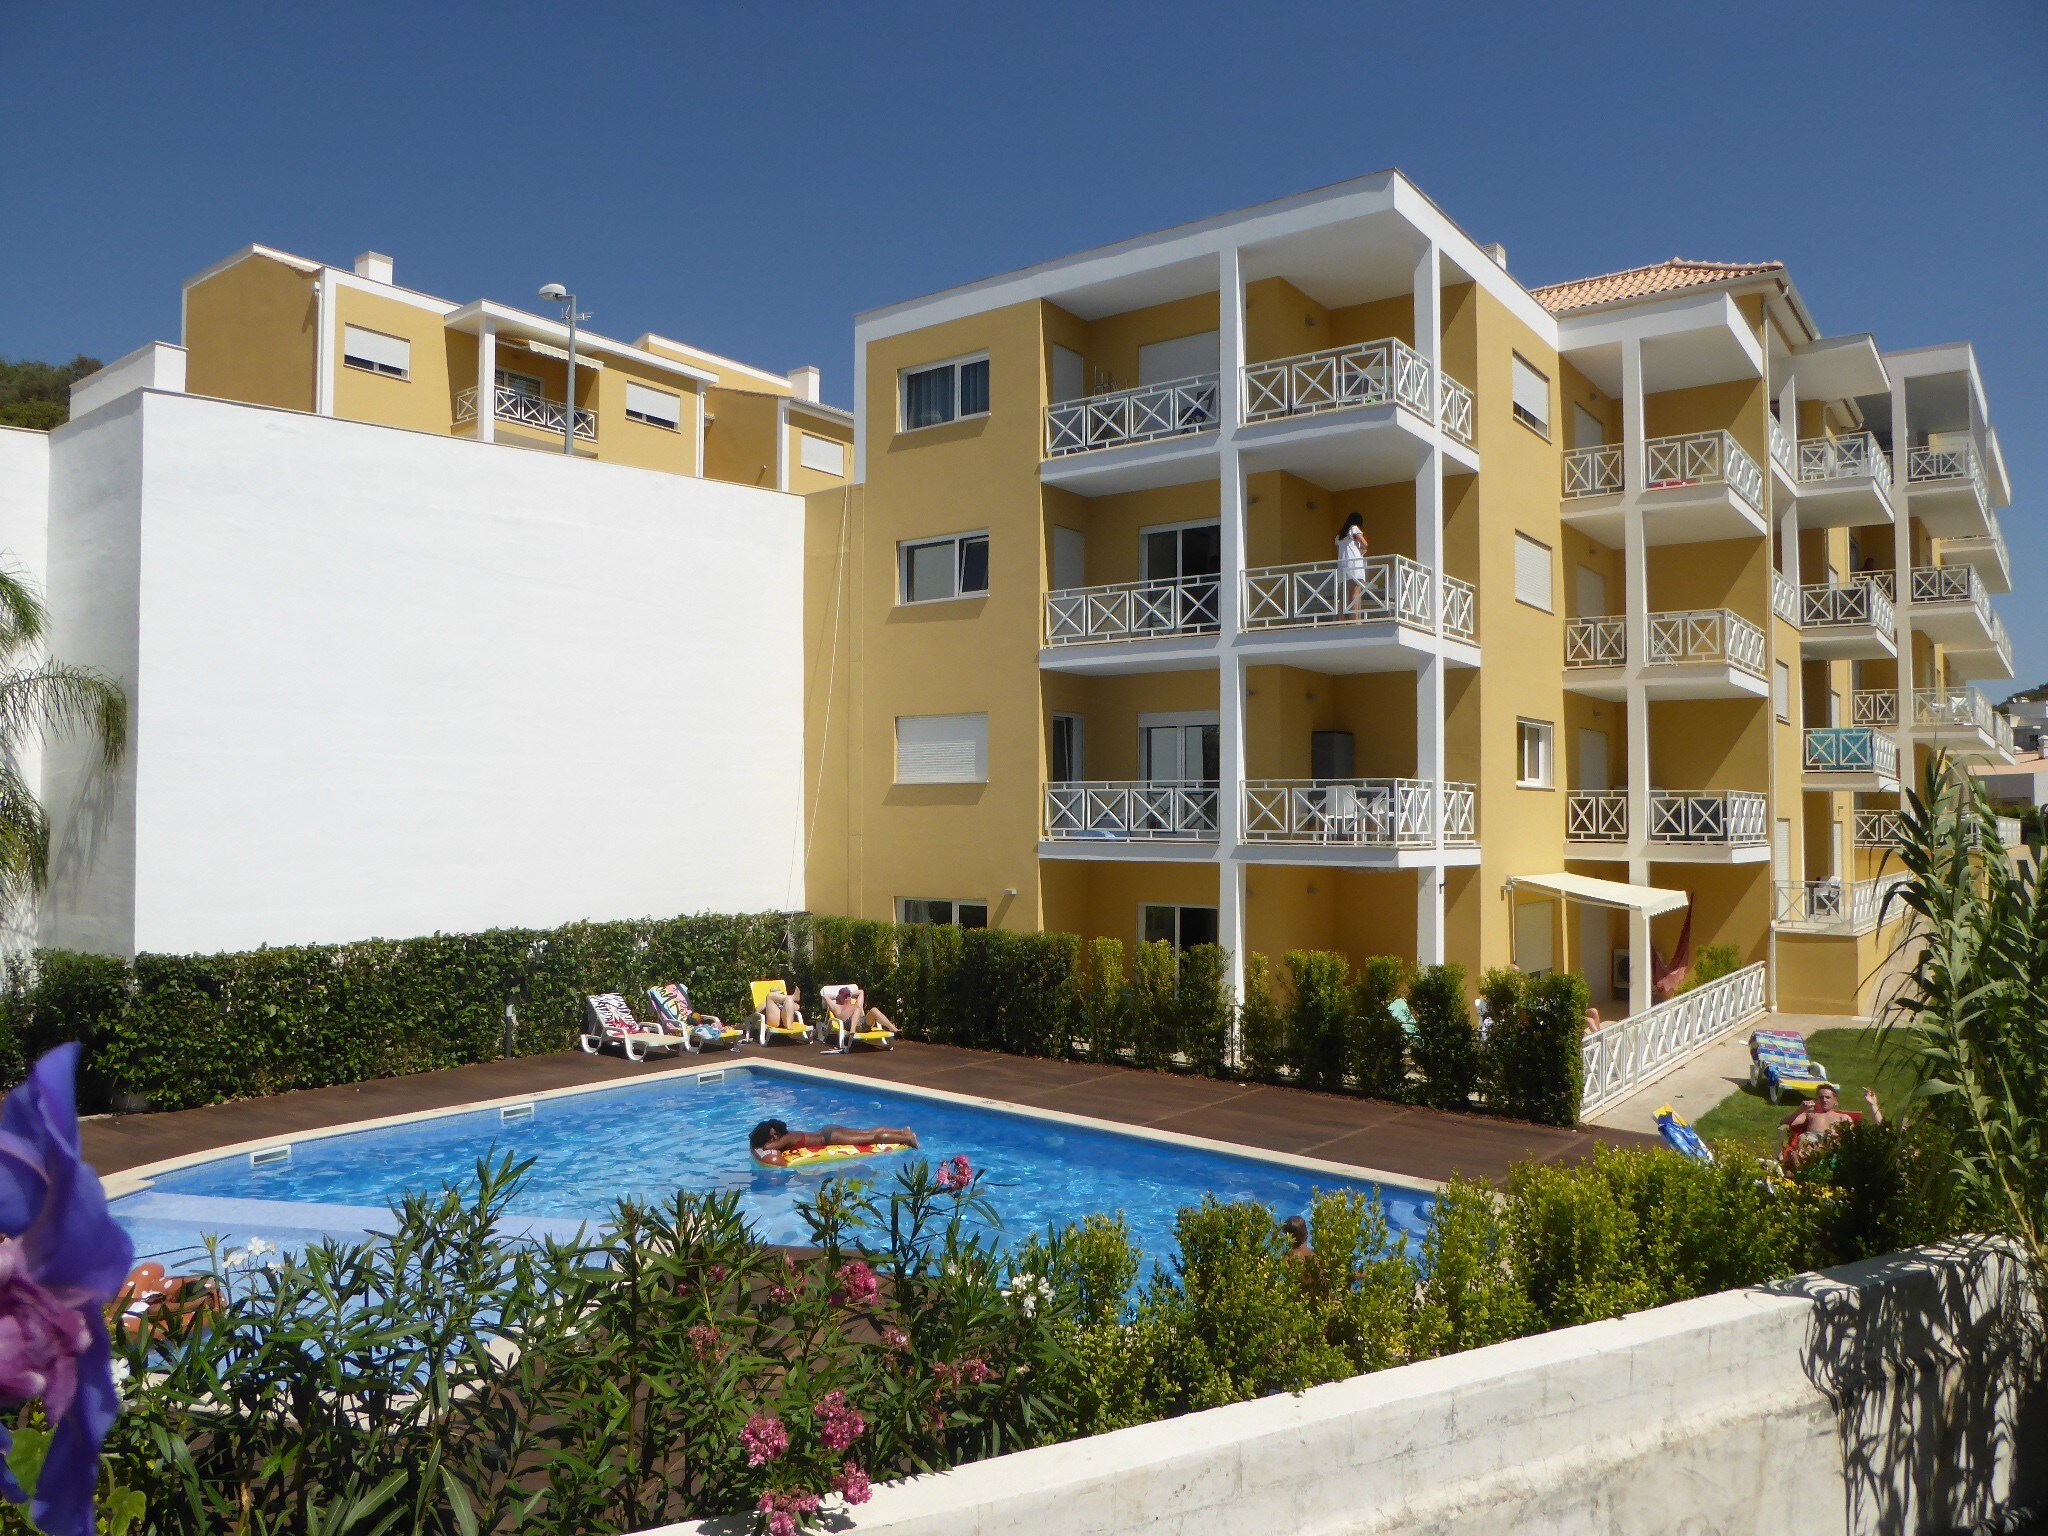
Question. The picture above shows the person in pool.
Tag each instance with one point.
(771, 1141)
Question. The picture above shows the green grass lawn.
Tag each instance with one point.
(1855, 1058)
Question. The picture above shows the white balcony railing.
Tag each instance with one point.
(1874, 706)
(2001, 733)
(1171, 408)
(1132, 610)
(1862, 603)
(1784, 453)
(1836, 906)
(1960, 462)
(526, 410)
(1878, 829)
(1384, 372)
(1852, 457)
(1953, 708)
(1678, 818)
(1851, 749)
(1623, 1057)
(1596, 816)
(1461, 608)
(1594, 471)
(1358, 813)
(1126, 812)
(2010, 833)
(1991, 542)
(1784, 599)
(1703, 458)
(1951, 584)
(1316, 594)
(1601, 641)
(1707, 635)
(1454, 409)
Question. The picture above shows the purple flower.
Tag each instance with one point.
(857, 1285)
(764, 1439)
(852, 1484)
(838, 1425)
(63, 1260)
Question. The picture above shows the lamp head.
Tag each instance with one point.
(555, 293)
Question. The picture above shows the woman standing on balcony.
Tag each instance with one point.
(1351, 552)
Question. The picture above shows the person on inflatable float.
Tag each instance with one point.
(771, 1141)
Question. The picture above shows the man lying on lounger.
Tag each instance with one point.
(771, 1140)
(849, 1006)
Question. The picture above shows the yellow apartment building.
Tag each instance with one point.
(269, 328)
(1662, 593)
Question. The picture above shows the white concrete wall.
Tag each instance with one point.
(1880, 1398)
(388, 684)
(24, 550)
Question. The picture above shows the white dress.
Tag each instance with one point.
(1351, 556)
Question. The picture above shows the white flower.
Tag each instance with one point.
(236, 1258)
(258, 1247)
(1028, 1290)
(118, 1368)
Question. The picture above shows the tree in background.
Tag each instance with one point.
(38, 395)
(39, 696)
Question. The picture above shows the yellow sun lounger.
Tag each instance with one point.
(796, 1032)
(858, 1032)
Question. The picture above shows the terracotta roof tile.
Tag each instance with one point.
(1637, 282)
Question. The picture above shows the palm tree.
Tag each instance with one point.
(39, 696)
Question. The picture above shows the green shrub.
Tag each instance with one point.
(1154, 1004)
(1502, 1042)
(1468, 1297)
(1886, 1186)
(1103, 1006)
(1712, 963)
(1261, 1027)
(1377, 1051)
(1319, 1024)
(1530, 1062)
(1202, 1008)
(1446, 1047)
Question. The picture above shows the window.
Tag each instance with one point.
(938, 569)
(945, 392)
(1069, 754)
(822, 454)
(942, 749)
(653, 407)
(1532, 573)
(1781, 691)
(1532, 744)
(1532, 397)
(964, 914)
(1182, 927)
(524, 385)
(374, 352)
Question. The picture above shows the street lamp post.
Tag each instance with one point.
(555, 293)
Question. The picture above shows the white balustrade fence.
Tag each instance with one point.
(527, 411)
(1132, 610)
(1592, 471)
(1354, 813)
(1315, 594)
(1837, 906)
(1596, 816)
(1710, 635)
(1784, 599)
(1851, 749)
(1369, 373)
(1171, 408)
(1596, 642)
(1783, 453)
(1863, 602)
(1874, 706)
(1704, 458)
(1623, 1057)
(1855, 456)
(1110, 811)
(1723, 818)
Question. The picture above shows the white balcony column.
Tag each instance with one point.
(1635, 591)
(1788, 524)
(1231, 514)
(1230, 816)
(487, 384)
(1902, 582)
(1634, 456)
(325, 345)
(1639, 962)
(1429, 553)
(1230, 411)
(1429, 310)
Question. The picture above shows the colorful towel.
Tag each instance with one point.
(1680, 1137)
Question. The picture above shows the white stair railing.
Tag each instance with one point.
(1624, 1057)
(1171, 408)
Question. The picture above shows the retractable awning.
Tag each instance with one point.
(1649, 900)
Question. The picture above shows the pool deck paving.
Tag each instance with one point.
(1399, 1139)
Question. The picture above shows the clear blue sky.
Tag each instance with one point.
(750, 177)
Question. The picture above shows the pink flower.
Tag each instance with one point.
(955, 1174)
(787, 1286)
(764, 1438)
(780, 1524)
(838, 1425)
(852, 1484)
(705, 1342)
(857, 1287)
(718, 1273)
(896, 1338)
(783, 1508)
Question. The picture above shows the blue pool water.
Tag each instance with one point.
(649, 1139)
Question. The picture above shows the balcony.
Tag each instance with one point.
(1134, 439)
(1697, 488)
(1310, 615)
(1351, 416)
(1883, 829)
(1843, 482)
(517, 408)
(1874, 706)
(1986, 555)
(1948, 492)
(1851, 623)
(1685, 825)
(1385, 816)
(1158, 820)
(1960, 717)
(1837, 907)
(1704, 653)
(1083, 625)
(1850, 757)
(1784, 599)
(1784, 451)
(1951, 608)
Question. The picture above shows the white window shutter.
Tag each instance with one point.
(1532, 393)
(391, 354)
(1532, 572)
(942, 749)
(657, 405)
(823, 454)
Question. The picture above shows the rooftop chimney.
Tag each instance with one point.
(375, 266)
(1499, 253)
(803, 383)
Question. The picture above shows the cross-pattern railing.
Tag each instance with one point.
(1851, 749)
(1958, 708)
(1960, 462)
(1601, 641)
(1132, 610)
(1863, 602)
(1168, 409)
(1711, 635)
(1594, 471)
(1733, 818)
(1461, 608)
(1836, 906)
(1784, 599)
(1623, 1057)
(1783, 453)
(1121, 812)
(1878, 829)
(1854, 456)
(1368, 373)
(1319, 593)
(1596, 816)
(1357, 813)
(1874, 706)
(1950, 584)
(1703, 458)
(526, 410)
(1454, 409)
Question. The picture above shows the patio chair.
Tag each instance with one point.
(672, 1006)
(611, 1022)
(858, 1032)
(797, 1033)
(1778, 1063)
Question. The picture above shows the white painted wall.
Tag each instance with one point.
(388, 684)
(1880, 1398)
(24, 549)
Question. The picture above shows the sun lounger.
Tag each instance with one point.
(672, 1006)
(610, 1022)
(859, 1032)
(1778, 1063)
(1680, 1137)
(792, 1034)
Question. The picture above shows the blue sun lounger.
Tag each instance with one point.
(1778, 1063)
(1680, 1137)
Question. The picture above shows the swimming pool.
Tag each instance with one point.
(688, 1131)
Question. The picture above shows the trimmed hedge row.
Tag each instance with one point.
(183, 1030)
